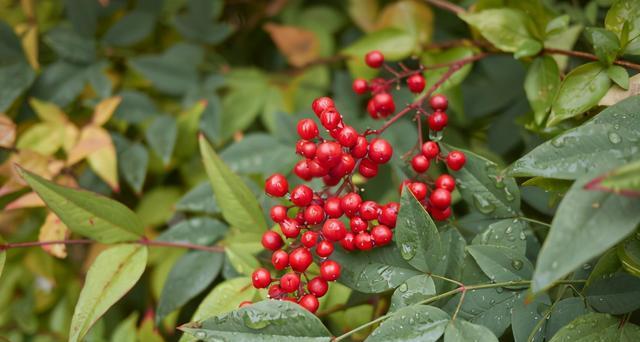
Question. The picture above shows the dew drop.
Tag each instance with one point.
(516, 264)
(614, 138)
(482, 204)
(408, 251)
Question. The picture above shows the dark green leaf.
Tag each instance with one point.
(414, 323)
(61, 82)
(71, 46)
(83, 15)
(132, 162)
(135, 107)
(506, 28)
(564, 312)
(259, 153)
(269, 320)
(452, 261)
(130, 29)
(191, 274)
(459, 330)
(605, 44)
(15, 73)
(541, 85)
(615, 295)
(501, 264)
(412, 291)
(597, 327)
(629, 254)
(607, 140)
(576, 231)
(619, 75)
(197, 24)
(623, 19)
(199, 199)
(161, 136)
(528, 319)
(197, 230)
(416, 235)
(508, 233)
(490, 308)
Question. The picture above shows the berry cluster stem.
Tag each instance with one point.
(144, 241)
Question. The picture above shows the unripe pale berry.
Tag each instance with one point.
(324, 248)
(381, 235)
(360, 86)
(446, 182)
(261, 278)
(321, 104)
(309, 302)
(420, 163)
(290, 282)
(300, 259)
(380, 151)
(456, 160)
(430, 149)
(280, 259)
(276, 185)
(330, 270)
(438, 120)
(301, 195)
(307, 129)
(333, 230)
(318, 286)
(374, 59)
(416, 83)
(440, 198)
(439, 102)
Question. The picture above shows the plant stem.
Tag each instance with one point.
(145, 242)
(447, 6)
(589, 56)
(534, 221)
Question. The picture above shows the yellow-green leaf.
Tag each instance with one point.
(48, 111)
(506, 28)
(394, 43)
(45, 138)
(412, 16)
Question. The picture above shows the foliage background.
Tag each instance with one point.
(240, 72)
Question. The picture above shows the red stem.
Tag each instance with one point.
(153, 243)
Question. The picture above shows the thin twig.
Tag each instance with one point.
(145, 242)
(447, 6)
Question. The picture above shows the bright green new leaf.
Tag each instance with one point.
(625, 13)
(239, 206)
(427, 324)
(583, 87)
(114, 272)
(506, 28)
(619, 75)
(563, 39)
(501, 264)
(242, 260)
(459, 330)
(125, 331)
(605, 44)
(597, 327)
(394, 43)
(87, 213)
(557, 24)
(414, 17)
(446, 56)
(157, 206)
(541, 85)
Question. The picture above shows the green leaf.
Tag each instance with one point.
(529, 317)
(15, 73)
(541, 85)
(259, 153)
(619, 75)
(3, 256)
(71, 46)
(161, 136)
(426, 323)
(576, 235)
(446, 56)
(243, 104)
(485, 189)
(135, 107)
(527, 49)
(605, 141)
(563, 39)
(157, 206)
(61, 82)
(130, 29)
(452, 261)
(490, 308)
(583, 87)
(625, 13)
(132, 162)
(242, 260)
(557, 24)
(375, 271)
(269, 320)
(605, 44)
(394, 43)
(239, 206)
(615, 295)
(125, 331)
(597, 327)
(190, 275)
(87, 213)
(501, 264)
(507, 233)
(199, 199)
(564, 312)
(416, 235)
(83, 16)
(412, 291)
(624, 180)
(629, 254)
(549, 184)
(459, 330)
(198, 230)
(506, 28)
(114, 272)
(196, 23)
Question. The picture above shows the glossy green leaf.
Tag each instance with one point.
(507, 233)
(413, 323)
(239, 206)
(607, 140)
(629, 254)
(527, 49)
(190, 275)
(87, 213)
(446, 56)
(541, 85)
(583, 87)
(485, 188)
(605, 44)
(199, 199)
(241, 259)
(375, 271)
(549, 184)
(528, 320)
(624, 179)
(198, 230)
(113, 273)
(607, 265)
(460, 330)
(412, 291)
(557, 24)
(597, 327)
(565, 311)
(625, 13)
(269, 320)
(576, 235)
(416, 235)
(394, 43)
(490, 308)
(259, 153)
(132, 162)
(130, 29)
(452, 261)
(619, 76)
(125, 331)
(616, 295)
(506, 28)
(161, 136)
(501, 264)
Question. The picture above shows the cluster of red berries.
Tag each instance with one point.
(381, 104)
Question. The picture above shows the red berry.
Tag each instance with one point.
(261, 278)
(321, 104)
(328, 154)
(350, 203)
(405, 183)
(363, 241)
(360, 149)
(324, 249)
(380, 151)
(316, 169)
(456, 160)
(302, 170)
(309, 302)
(369, 210)
(290, 228)
(307, 129)
(245, 303)
(300, 259)
(368, 168)
(372, 110)
(348, 136)
(374, 59)
(440, 198)
(309, 239)
(360, 86)
(430, 149)
(313, 214)
(328, 180)
(332, 207)
(388, 215)
(275, 291)
(440, 215)
(381, 235)
(357, 224)
(345, 167)
(438, 120)
(420, 163)
(348, 242)
(333, 230)
(290, 282)
(280, 259)
(318, 286)
(330, 270)
(278, 213)
(416, 83)
(272, 240)
(330, 119)
(306, 149)
(276, 185)
(301, 195)
(446, 182)
(439, 102)
(384, 104)
(419, 190)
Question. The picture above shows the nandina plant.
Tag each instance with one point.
(320, 171)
